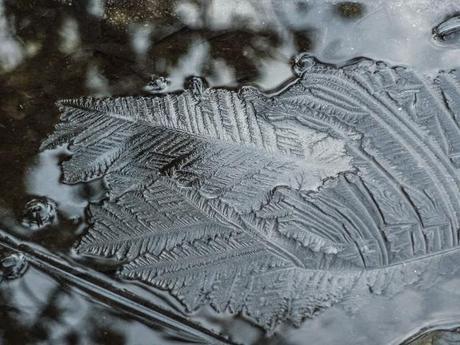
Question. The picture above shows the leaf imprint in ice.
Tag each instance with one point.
(275, 206)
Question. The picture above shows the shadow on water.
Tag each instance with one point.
(51, 50)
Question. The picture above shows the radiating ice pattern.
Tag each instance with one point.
(276, 206)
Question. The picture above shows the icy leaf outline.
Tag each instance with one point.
(210, 197)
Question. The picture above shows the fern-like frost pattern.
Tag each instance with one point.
(274, 206)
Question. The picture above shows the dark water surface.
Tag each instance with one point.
(51, 50)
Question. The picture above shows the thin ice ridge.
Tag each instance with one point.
(274, 205)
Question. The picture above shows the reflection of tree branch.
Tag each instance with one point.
(30, 292)
(418, 334)
(105, 290)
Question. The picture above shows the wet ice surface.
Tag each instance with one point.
(58, 50)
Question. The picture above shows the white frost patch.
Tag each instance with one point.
(11, 52)
(96, 83)
(69, 36)
(140, 39)
(96, 8)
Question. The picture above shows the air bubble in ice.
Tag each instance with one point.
(12, 266)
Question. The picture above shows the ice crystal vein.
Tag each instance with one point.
(275, 206)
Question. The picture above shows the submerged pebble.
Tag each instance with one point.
(12, 266)
(197, 85)
(302, 63)
(157, 85)
(349, 9)
(39, 213)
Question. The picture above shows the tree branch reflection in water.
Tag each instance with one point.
(40, 310)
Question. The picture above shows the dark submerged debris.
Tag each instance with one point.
(349, 9)
(123, 13)
(197, 85)
(39, 213)
(448, 31)
(157, 85)
(12, 266)
(302, 40)
(302, 63)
